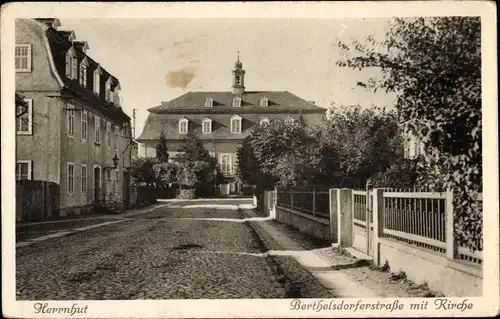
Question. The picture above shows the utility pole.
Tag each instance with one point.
(133, 123)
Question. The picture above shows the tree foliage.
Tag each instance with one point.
(162, 148)
(434, 65)
(142, 170)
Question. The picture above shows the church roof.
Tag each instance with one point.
(278, 101)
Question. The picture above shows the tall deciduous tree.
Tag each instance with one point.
(162, 149)
(434, 65)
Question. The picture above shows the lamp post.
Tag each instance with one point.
(115, 163)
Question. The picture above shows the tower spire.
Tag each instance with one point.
(238, 77)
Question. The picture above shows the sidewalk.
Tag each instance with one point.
(28, 233)
(281, 244)
(343, 275)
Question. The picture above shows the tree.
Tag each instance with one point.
(166, 173)
(365, 142)
(434, 65)
(162, 149)
(142, 170)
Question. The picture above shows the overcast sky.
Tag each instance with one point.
(159, 59)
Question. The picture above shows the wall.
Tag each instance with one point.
(452, 278)
(315, 226)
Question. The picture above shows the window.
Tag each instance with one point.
(236, 102)
(236, 124)
(84, 125)
(71, 64)
(207, 126)
(71, 178)
(264, 102)
(226, 164)
(71, 122)
(83, 73)
(23, 170)
(209, 103)
(108, 90)
(23, 57)
(264, 121)
(24, 118)
(97, 130)
(97, 81)
(108, 181)
(183, 126)
(108, 133)
(289, 120)
(84, 178)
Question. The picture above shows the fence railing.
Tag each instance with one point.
(311, 201)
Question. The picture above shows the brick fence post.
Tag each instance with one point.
(345, 217)
(378, 223)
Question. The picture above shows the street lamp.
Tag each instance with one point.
(115, 163)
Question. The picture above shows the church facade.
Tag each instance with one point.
(222, 120)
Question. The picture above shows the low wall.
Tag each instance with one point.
(452, 278)
(315, 226)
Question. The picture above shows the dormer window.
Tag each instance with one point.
(97, 81)
(207, 126)
(183, 126)
(83, 72)
(116, 94)
(235, 124)
(236, 101)
(264, 102)
(71, 64)
(264, 121)
(289, 120)
(209, 103)
(108, 90)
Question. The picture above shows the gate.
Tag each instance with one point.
(362, 212)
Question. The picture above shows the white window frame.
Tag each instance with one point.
(71, 64)
(209, 103)
(236, 101)
(84, 178)
(235, 117)
(97, 81)
(264, 121)
(29, 116)
(289, 120)
(70, 178)
(223, 165)
(30, 167)
(83, 72)
(108, 90)
(209, 122)
(97, 130)
(108, 133)
(71, 121)
(28, 57)
(264, 102)
(181, 122)
(84, 124)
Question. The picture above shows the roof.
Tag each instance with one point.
(59, 46)
(169, 123)
(278, 101)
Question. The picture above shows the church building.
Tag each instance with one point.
(222, 119)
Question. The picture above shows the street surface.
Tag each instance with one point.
(158, 255)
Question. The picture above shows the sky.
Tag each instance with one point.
(158, 60)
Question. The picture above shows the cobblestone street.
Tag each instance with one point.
(159, 255)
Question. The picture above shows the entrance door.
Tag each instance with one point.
(224, 189)
(97, 185)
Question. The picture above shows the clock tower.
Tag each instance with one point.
(238, 78)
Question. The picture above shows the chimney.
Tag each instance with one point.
(50, 22)
(81, 45)
(312, 102)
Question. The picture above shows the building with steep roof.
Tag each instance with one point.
(75, 129)
(222, 120)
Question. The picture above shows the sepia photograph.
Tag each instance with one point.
(328, 164)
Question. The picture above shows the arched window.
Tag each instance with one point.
(235, 124)
(183, 126)
(236, 101)
(209, 102)
(207, 126)
(264, 102)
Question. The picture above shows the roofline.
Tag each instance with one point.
(234, 110)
